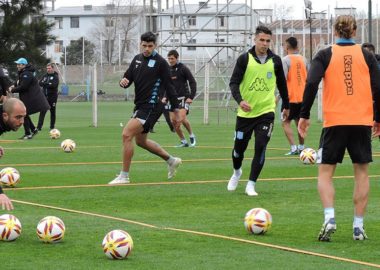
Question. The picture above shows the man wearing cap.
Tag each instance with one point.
(30, 93)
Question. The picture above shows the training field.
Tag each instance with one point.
(191, 222)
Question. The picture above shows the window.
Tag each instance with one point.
(174, 40)
(174, 21)
(58, 22)
(74, 22)
(222, 21)
(110, 22)
(108, 45)
(192, 20)
(192, 41)
(58, 46)
(220, 40)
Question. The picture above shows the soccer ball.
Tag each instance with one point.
(117, 244)
(308, 156)
(10, 227)
(54, 133)
(9, 177)
(51, 229)
(257, 221)
(68, 145)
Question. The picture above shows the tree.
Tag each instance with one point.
(24, 32)
(119, 25)
(74, 52)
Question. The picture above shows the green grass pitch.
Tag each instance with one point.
(191, 222)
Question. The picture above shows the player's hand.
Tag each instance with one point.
(376, 129)
(5, 202)
(124, 82)
(303, 126)
(244, 105)
(188, 101)
(1, 152)
(164, 100)
(284, 114)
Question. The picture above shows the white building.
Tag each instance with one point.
(205, 30)
(105, 26)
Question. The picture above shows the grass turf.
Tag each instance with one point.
(196, 200)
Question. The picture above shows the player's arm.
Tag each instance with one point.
(53, 84)
(5, 201)
(24, 84)
(192, 82)
(237, 77)
(374, 73)
(127, 79)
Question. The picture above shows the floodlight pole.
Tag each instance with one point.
(369, 21)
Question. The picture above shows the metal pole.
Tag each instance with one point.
(369, 21)
(311, 37)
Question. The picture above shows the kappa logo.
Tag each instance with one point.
(259, 85)
(348, 74)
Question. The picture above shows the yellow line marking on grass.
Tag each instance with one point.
(178, 183)
(275, 247)
(283, 248)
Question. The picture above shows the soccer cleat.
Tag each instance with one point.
(35, 132)
(193, 142)
(172, 168)
(119, 180)
(327, 230)
(234, 180)
(292, 153)
(250, 189)
(183, 145)
(359, 234)
(26, 137)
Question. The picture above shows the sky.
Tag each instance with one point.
(297, 6)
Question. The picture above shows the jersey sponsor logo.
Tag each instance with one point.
(258, 85)
(151, 63)
(348, 74)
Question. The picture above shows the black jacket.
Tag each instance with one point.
(49, 84)
(30, 92)
(4, 81)
(151, 78)
(241, 66)
(182, 78)
(3, 128)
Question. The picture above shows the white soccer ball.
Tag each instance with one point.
(54, 133)
(10, 227)
(117, 244)
(51, 229)
(257, 221)
(9, 177)
(68, 145)
(308, 156)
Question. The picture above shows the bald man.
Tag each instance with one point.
(13, 112)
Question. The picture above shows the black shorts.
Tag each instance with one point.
(148, 115)
(183, 105)
(294, 111)
(262, 125)
(335, 140)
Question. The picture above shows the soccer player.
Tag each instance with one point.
(150, 73)
(13, 112)
(49, 83)
(255, 77)
(350, 81)
(182, 79)
(295, 73)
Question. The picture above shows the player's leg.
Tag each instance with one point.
(178, 129)
(301, 140)
(286, 126)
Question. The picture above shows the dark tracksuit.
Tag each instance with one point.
(49, 84)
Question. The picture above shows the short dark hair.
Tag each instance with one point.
(174, 53)
(292, 43)
(263, 29)
(369, 46)
(148, 37)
